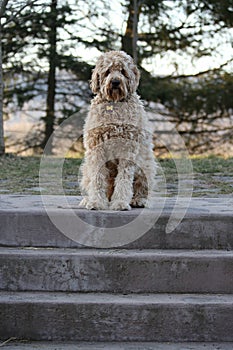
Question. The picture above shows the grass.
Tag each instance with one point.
(20, 175)
(201, 165)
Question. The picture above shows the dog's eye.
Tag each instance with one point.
(123, 71)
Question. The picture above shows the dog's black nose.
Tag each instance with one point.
(115, 83)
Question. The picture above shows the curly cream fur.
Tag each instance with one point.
(119, 168)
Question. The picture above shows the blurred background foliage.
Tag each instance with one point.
(183, 49)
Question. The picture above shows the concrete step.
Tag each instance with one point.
(119, 346)
(118, 271)
(207, 224)
(109, 317)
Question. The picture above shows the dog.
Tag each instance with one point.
(119, 168)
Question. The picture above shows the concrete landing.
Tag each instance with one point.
(196, 206)
(118, 346)
(206, 223)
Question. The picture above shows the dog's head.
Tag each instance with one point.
(115, 76)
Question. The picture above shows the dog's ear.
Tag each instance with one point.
(95, 84)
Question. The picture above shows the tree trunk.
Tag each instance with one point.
(135, 30)
(51, 91)
(2, 143)
(129, 40)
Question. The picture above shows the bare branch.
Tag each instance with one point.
(12, 17)
(212, 70)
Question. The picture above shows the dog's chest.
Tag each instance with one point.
(114, 113)
(108, 121)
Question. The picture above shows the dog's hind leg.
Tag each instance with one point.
(144, 179)
(140, 190)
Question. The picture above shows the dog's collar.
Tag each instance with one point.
(109, 107)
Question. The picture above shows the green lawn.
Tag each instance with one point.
(20, 175)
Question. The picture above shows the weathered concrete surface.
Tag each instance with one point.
(108, 317)
(120, 271)
(208, 223)
(54, 314)
(120, 346)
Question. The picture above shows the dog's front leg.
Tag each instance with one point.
(96, 188)
(123, 190)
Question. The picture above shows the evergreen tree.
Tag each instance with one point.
(194, 102)
(44, 31)
(176, 26)
(52, 31)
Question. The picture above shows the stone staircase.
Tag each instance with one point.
(163, 291)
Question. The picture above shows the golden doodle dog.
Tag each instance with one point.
(119, 168)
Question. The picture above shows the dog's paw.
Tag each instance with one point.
(96, 205)
(138, 202)
(119, 205)
(83, 203)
